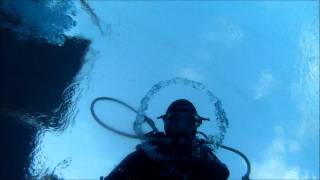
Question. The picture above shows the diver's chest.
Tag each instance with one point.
(179, 170)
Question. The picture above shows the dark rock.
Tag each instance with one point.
(33, 76)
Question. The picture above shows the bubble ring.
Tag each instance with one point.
(221, 119)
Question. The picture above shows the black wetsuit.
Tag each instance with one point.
(147, 164)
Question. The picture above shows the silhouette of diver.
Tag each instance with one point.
(183, 157)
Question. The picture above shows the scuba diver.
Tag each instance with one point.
(180, 156)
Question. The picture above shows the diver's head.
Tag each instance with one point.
(181, 119)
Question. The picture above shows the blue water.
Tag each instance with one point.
(261, 59)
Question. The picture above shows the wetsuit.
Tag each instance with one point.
(157, 161)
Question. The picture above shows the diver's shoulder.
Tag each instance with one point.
(155, 134)
(137, 154)
(153, 139)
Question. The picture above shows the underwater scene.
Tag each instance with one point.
(134, 90)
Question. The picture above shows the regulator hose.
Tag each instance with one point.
(152, 125)
(107, 127)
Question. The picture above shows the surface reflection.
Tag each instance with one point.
(260, 59)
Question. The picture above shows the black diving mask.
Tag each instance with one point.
(182, 119)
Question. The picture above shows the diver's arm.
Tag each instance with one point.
(217, 168)
(119, 172)
(213, 166)
(127, 169)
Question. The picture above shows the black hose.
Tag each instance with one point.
(247, 175)
(107, 127)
